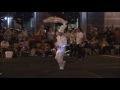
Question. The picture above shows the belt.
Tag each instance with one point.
(61, 47)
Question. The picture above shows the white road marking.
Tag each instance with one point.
(93, 74)
(111, 56)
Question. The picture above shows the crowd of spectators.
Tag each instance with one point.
(41, 42)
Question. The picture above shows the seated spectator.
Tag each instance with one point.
(26, 43)
(32, 52)
(4, 47)
(38, 36)
(104, 46)
(47, 50)
(21, 46)
(93, 46)
(38, 49)
(32, 39)
(25, 52)
(86, 47)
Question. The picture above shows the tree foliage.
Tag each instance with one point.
(22, 17)
(2, 14)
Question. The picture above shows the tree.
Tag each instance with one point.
(22, 17)
(71, 17)
(2, 14)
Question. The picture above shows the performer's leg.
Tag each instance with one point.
(57, 55)
(61, 62)
(0, 73)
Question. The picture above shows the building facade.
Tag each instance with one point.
(100, 20)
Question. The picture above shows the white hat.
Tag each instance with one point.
(62, 28)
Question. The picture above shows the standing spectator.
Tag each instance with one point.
(73, 43)
(79, 40)
(108, 35)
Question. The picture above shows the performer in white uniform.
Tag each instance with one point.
(61, 47)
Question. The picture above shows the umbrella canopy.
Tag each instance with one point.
(54, 20)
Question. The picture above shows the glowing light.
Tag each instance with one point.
(5, 18)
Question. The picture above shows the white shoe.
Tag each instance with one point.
(0, 73)
(61, 68)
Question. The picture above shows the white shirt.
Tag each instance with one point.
(61, 41)
(79, 37)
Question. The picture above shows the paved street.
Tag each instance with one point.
(96, 66)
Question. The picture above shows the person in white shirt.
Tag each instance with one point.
(79, 40)
(61, 47)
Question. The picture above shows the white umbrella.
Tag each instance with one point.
(54, 20)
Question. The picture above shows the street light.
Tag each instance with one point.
(5, 18)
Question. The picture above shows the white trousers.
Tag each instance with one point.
(59, 57)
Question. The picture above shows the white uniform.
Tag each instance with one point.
(61, 44)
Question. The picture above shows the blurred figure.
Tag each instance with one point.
(1, 35)
(38, 36)
(4, 47)
(42, 32)
(73, 44)
(0, 73)
(93, 46)
(51, 37)
(25, 34)
(31, 39)
(79, 40)
(7, 34)
(104, 46)
(61, 47)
